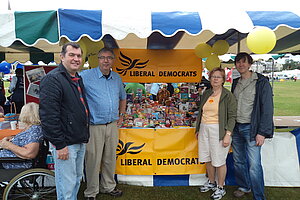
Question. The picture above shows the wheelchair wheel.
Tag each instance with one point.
(31, 184)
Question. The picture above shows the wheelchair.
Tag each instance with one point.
(35, 183)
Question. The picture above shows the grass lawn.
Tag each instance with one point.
(6, 86)
(190, 193)
(286, 98)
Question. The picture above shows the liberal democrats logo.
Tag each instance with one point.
(129, 64)
(128, 148)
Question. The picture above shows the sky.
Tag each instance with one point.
(155, 5)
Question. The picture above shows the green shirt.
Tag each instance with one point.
(245, 93)
(134, 88)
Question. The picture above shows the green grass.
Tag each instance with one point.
(190, 193)
(6, 86)
(286, 98)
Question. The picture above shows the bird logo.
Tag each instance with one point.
(129, 64)
(122, 149)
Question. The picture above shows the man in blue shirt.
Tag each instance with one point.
(106, 98)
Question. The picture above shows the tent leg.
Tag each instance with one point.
(272, 73)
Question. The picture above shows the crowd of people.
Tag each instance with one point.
(80, 113)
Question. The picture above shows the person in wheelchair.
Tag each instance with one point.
(25, 144)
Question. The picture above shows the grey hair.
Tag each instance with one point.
(30, 114)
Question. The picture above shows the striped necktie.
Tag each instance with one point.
(75, 80)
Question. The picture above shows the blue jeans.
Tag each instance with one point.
(247, 162)
(68, 173)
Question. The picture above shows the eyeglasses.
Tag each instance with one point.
(216, 77)
(106, 57)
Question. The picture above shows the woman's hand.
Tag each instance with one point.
(5, 142)
(28, 151)
(227, 139)
(10, 137)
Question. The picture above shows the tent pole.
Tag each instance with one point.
(239, 43)
(272, 73)
(8, 5)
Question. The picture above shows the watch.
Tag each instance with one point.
(228, 133)
(121, 114)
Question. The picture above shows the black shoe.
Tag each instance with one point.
(90, 198)
(115, 192)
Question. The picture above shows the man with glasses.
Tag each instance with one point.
(107, 102)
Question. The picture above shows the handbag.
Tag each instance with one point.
(12, 116)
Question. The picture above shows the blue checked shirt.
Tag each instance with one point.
(103, 95)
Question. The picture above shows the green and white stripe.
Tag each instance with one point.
(28, 27)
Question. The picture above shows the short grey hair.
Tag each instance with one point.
(105, 49)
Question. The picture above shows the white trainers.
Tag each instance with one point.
(208, 186)
(219, 193)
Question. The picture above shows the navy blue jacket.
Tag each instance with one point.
(63, 115)
(262, 113)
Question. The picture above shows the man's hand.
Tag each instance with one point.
(196, 135)
(120, 121)
(259, 140)
(63, 153)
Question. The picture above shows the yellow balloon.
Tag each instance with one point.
(203, 50)
(92, 47)
(93, 61)
(261, 40)
(212, 62)
(220, 47)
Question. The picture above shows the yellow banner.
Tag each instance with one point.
(158, 152)
(158, 66)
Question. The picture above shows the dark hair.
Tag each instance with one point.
(245, 56)
(72, 44)
(105, 49)
(205, 82)
(19, 72)
(217, 69)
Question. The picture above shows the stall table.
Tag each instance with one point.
(287, 121)
(168, 157)
(8, 132)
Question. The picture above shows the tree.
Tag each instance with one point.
(291, 64)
